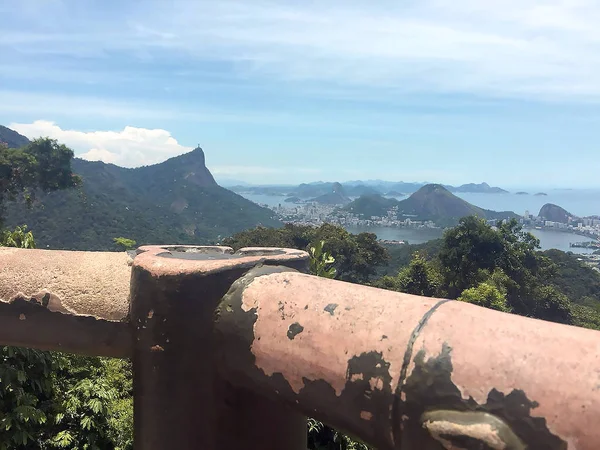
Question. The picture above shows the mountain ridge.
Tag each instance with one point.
(177, 200)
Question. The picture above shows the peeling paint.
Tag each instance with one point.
(330, 308)
(157, 348)
(22, 317)
(366, 415)
(150, 314)
(294, 330)
(456, 429)
(430, 387)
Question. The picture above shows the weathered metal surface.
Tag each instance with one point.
(401, 371)
(62, 300)
(179, 402)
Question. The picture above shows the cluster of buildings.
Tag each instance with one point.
(587, 226)
(318, 214)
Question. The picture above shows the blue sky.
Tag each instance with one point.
(449, 91)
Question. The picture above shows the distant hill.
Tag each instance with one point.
(12, 138)
(554, 213)
(177, 201)
(357, 188)
(371, 205)
(431, 202)
(337, 196)
(360, 189)
(482, 188)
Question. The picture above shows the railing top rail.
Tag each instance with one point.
(398, 371)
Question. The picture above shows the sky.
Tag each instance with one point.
(450, 91)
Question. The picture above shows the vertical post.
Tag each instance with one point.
(179, 400)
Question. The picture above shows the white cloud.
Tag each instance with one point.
(524, 48)
(130, 147)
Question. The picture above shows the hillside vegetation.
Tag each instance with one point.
(177, 200)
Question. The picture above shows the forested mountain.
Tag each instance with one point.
(431, 202)
(174, 201)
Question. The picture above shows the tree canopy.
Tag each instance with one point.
(357, 256)
(42, 165)
(496, 267)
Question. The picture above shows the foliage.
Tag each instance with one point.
(152, 204)
(94, 403)
(486, 295)
(401, 255)
(356, 256)
(320, 261)
(499, 268)
(25, 396)
(572, 277)
(474, 253)
(42, 165)
(124, 243)
(421, 277)
(19, 237)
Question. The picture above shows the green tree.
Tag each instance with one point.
(320, 261)
(43, 165)
(486, 295)
(357, 257)
(26, 389)
(506, 258)
(19, 237)
(124, 243)
(421, 277)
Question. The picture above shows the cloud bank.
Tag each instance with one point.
(130, 147)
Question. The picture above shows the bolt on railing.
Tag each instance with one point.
(234, 350)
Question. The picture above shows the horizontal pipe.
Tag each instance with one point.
(402, 371)
(75, 302)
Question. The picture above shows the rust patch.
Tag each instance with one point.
(22, 317)
(157, 348)
(294, 330)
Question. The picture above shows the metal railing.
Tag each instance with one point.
(235, 350)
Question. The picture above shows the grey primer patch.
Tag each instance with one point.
(294, 330)
(330, 308)
(430, 388)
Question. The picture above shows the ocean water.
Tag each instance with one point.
(577, 202)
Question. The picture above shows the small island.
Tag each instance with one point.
(293, 200)
(522, 193)
(541, 194)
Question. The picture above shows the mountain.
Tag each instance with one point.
(337, 196)
(360, 189)
(176, 201)
(482, 188)
(371, 205)
(554, 213)
(431, 202)
(12, 138)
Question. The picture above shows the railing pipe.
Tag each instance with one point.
(76, 302)
(401, 371)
